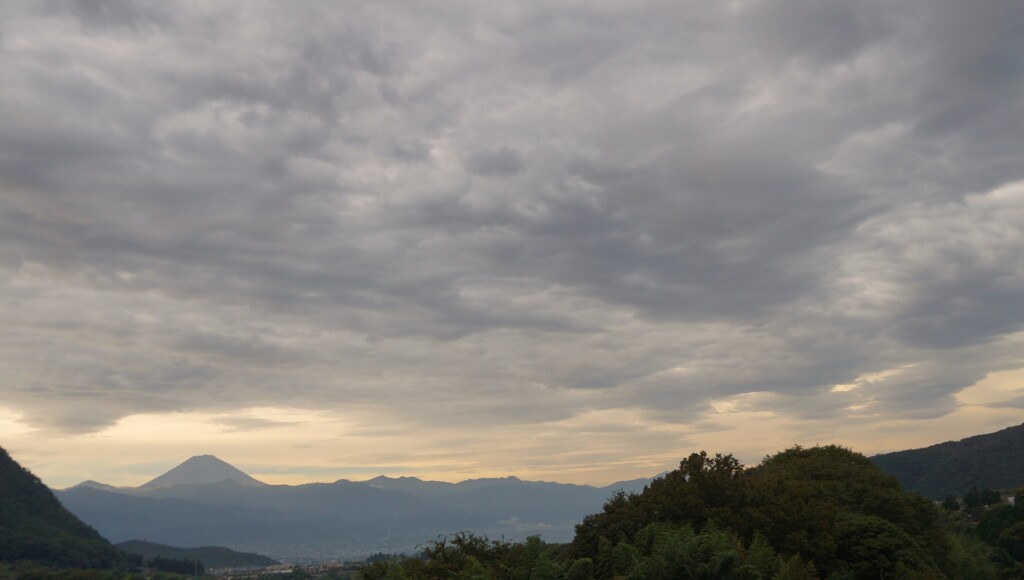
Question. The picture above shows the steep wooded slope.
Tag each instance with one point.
(35, 526)
(994, 460)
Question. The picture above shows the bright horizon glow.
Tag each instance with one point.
(285, 449)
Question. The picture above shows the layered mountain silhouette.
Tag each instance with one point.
(206, 501)
(34, 526)
(994, 461)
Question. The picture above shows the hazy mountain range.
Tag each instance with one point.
(206, 501)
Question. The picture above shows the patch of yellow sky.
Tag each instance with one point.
(290, 446)
(752, 434)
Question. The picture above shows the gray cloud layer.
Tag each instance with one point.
(483, 215)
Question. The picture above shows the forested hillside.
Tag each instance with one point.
(823, 512)
(210, 556)
(34, 526)
(994, 460)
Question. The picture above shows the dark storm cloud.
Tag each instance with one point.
(508, 213)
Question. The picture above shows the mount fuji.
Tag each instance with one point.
(201, 469)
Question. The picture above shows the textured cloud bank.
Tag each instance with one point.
(494, 218)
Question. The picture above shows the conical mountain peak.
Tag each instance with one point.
(202, 469)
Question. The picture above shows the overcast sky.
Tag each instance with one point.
(569, 240)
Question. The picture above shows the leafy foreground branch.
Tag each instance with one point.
(823, 512)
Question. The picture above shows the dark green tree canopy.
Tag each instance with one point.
(828, 505)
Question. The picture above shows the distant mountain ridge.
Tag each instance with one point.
(343, 518)
(993, 460)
